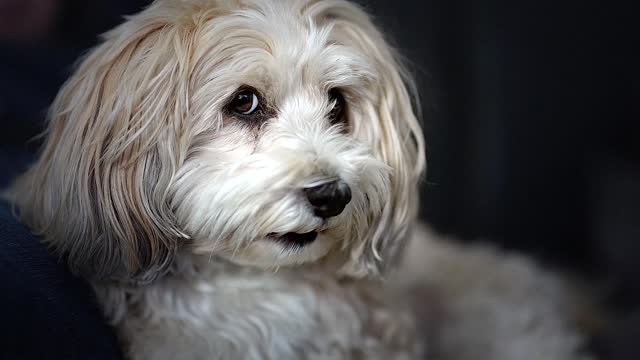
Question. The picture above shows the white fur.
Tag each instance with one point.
(168, 202)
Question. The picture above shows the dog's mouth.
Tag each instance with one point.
(294, 239)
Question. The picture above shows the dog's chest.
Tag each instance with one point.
(261, 316)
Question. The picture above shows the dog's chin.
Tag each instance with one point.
(289, 249)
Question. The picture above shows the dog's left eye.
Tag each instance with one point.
(245, 102)
(337, 113)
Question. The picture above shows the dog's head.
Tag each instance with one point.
(269, 133)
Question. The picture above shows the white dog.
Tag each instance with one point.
(234, 177)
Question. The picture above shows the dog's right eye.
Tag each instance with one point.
(245, 102)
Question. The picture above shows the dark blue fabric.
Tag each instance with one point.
(45, 312)
(12, 163)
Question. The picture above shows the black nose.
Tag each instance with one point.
(329, 199)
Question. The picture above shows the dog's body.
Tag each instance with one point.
(223, 311)
(447, 301)
(234, 177)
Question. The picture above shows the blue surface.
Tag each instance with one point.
(12, 163)
(45, 312)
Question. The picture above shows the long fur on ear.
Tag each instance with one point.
(98, 194)
(387, 123)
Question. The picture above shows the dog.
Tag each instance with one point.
(238, 179)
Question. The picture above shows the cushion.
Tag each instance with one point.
(46, 312)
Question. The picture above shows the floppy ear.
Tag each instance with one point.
(115, 138)
(391, 128)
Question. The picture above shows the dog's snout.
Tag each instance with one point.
(329, 199)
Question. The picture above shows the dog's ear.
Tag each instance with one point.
(98, 194)
(391, 128)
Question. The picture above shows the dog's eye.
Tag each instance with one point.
(337, 113)
(245, 102)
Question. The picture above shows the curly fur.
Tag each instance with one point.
(148, 186)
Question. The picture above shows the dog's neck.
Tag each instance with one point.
(189, 273)
(187, 266)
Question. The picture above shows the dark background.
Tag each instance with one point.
(531, 113)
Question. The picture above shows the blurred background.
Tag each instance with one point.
(531, 113)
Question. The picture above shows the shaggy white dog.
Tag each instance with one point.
(234, 177)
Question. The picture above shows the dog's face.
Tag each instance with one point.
(269, 133)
